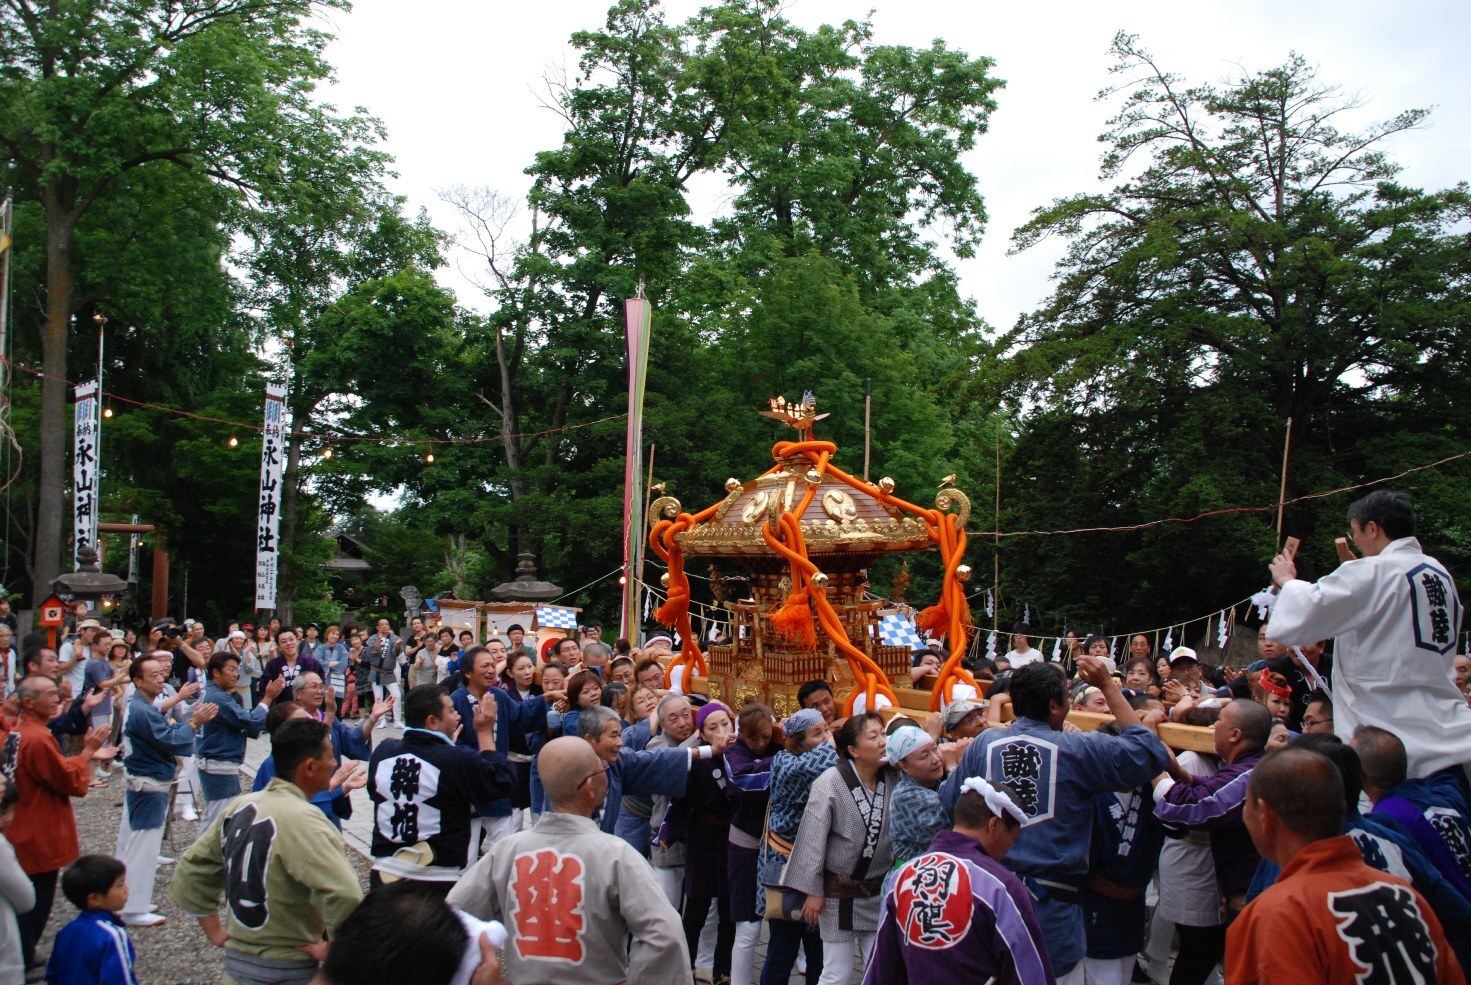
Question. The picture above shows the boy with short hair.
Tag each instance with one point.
(94, 949)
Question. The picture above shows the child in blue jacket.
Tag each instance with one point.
(94, 949)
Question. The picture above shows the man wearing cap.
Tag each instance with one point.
(954, 913)
(1396, 618)
(915, 812)
(963, 719)
(1055, 776)
(74, 654)
(1185, 668)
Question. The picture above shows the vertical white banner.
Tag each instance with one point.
(133, 555)
(86, 441)
(267, 534)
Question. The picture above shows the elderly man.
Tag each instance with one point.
(153, 746)
(676, 724)
(1056, 776)
(1396, 618)
(580, 905)
(44, 832)
(280, 866)
(222, 741)
(75, 652)
(1330, 917)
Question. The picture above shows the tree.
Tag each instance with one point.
(1252, 263)
(96, 92)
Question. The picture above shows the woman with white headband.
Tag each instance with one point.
(955, 913)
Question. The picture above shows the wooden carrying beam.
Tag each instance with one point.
(915, 704)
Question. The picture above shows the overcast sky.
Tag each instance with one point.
(457, 83)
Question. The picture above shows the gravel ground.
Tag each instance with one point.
(173, 953)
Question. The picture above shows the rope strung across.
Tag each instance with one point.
(794, 619)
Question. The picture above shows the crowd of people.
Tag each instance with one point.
(561, 813)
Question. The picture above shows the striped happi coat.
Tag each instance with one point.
(831, 838)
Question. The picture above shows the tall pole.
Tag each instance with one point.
(5, 246)
(996, 526)
(1282, 492)
(867, 423)
(637, 319)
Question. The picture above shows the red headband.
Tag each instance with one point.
(1264, 681)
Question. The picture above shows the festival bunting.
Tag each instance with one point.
(268, 526)
(133, 555)
(86, 441)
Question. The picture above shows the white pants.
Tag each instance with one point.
(138, 850)
(212, 810)
(187, 785)
(838, 959)
(1157, 949)
(1108, 971)
(493, 828)
(396, 691)
(1078, 976)
(743, 958)
(705, 948)
(672, 882)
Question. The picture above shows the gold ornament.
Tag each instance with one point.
(732, 484)
(819, 579)
(886, 484)
(664, 579)
(813, 477)
(962, 572)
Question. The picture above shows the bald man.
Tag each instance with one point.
(570, 895)
(1329, 917)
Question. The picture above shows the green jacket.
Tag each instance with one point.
(281, 866)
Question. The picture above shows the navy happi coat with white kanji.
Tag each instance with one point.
(424, 788)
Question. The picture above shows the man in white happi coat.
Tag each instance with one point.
(1396, 616)
(581, 906)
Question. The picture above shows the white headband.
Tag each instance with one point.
(996, 800)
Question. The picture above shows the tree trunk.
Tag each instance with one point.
(52, 500)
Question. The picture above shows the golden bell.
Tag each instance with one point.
(813, 477)
(962, 572)
(732, 484)
(664, 579)
(819, 579)
(886, 484)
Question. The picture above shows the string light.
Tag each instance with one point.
(107, 411)
(327, 451)
(429, 458)
(234, 442)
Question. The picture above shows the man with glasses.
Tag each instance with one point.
(1396, 618)
(1319, 714)
(551, 885)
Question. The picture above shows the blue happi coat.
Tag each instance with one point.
(1056, 776)
(512, 717)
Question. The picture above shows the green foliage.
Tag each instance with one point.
(1252, 263)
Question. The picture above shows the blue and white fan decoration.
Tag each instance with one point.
(556, 617)
(897, 629)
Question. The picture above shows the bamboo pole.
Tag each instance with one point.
(1282, 492)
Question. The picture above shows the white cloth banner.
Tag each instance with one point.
(133, 555)
(86, 442)
(268, 527)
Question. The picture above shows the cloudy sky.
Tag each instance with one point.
(458, 85)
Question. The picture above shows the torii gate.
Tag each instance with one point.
(160, 604)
